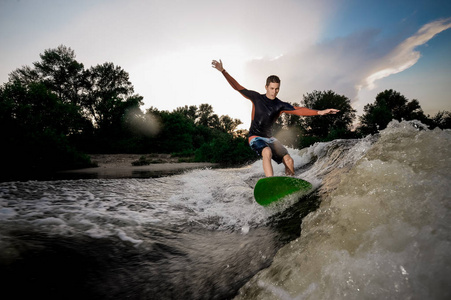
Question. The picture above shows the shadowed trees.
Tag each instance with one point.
(34, 127)
(304, 131)
(55, 107)
(199, 133)
(389, 105)
(441, 120)
(55, 110)
(108, 93)
(322, 126)
(58, 70)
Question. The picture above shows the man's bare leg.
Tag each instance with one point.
(289, 165)
(267, 166)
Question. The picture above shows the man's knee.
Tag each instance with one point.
(267, 153)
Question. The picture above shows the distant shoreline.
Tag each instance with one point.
(115, 166)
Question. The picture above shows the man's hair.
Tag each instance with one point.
(272, 78)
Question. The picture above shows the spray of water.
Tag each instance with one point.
(383, 232)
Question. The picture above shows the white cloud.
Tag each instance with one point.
(404, 55)
(346, 65)
(167, 46)
(337, 65)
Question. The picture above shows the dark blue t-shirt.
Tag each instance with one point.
(265, 112)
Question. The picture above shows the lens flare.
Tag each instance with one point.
(147, 124)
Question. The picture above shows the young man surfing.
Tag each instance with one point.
(266, 109)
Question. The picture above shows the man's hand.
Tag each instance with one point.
(330, 111)
(217, 65)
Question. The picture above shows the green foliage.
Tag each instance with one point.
(176, 134)
(228, 125)
(205, 116)
(109, 94)
(53, 112)
(58, 71)
(226, 150)
(34, 126)
(34, 107)
(389, 105)
(441, 120)
(302, 132)
(322, 125)
(189, 112)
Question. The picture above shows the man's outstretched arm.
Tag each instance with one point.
(218, 66)
(303, 111)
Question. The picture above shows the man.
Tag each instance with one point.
(266, 109)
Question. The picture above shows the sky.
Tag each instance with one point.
(356, 48)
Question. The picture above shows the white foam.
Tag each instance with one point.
(7, 213)
(123, 236)
(384, 232)
(49, 221)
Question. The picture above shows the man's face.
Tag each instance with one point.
(272, 90)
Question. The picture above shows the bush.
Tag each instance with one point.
(226, 150)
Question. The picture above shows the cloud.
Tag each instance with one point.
(337, 65)
(404, 55)
(345, 65)
(167, 46)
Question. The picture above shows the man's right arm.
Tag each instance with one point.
(232, 81)
(218, 65)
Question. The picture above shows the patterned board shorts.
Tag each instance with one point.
(278, 150)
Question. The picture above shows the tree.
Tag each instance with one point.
(442, 120)
(54, 108)
(176, 134)
(109, 94)
(34, 127)
(389, 105)
(322, 126)
(188, 111)
(225, 149)
(24, 75)
(58, 70)
(36, 109)
(206, 117)
(375, 117)
(62, 75)
(228, 125)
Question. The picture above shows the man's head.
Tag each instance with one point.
(272, 87)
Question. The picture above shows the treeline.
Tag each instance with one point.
(389, 105)
(188, 131)
(53, 113)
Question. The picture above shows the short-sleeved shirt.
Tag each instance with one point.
(265, 112)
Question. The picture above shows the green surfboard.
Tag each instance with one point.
(271, 189)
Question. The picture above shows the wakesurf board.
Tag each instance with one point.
(272, 189)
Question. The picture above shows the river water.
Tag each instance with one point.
(376, 226)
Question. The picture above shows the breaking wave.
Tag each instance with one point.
(376, 226)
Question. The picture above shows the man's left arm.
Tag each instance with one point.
(303, 111)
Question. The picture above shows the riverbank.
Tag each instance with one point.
(120, 166)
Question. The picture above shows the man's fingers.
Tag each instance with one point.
(215, 63)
